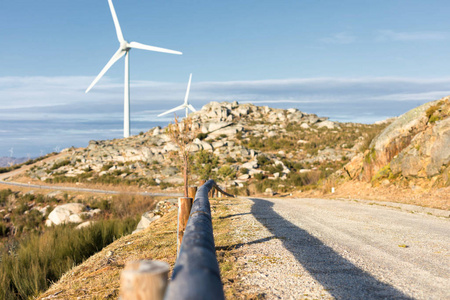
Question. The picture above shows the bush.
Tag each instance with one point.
(204, 163)
(259, 176)
(60, 164)
(4, 194)
(227, 172)
(201, 136)
(263, 160)
(3, 230)
(31, 266)
(244, 170)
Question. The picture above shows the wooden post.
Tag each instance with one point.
(145, 279)
(212, 192)
(184, 210)
(192, 191)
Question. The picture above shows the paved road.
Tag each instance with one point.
(361, 251)
(4, 176)
(75, 189)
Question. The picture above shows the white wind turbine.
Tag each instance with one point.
(124, 49)
(11, 152)
(185, 105)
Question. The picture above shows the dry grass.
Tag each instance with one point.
(98, 277)
(433, 198)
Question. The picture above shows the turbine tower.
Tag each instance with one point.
(124, 49)
(185, 105)
(11, 152)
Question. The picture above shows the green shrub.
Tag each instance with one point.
(263, 160)
(244, 170)
(434, 119)
(60, 164)
(227, 172)
(201, 136)
(3, 229)
(29, 267)
(258, 176)
(431, 110)
(230, 160)
(4, 194)
(203, 164)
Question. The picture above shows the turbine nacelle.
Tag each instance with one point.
(185, 105)
(125, 46)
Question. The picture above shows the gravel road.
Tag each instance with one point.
(341, 249)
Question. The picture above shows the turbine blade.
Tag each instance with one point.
(191, 108)
(172, 110)
(116, 22)
(187, 90)
(152, 48)
(113, 59)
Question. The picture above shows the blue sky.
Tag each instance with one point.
(359, 61)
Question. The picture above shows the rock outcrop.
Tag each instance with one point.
(236, 134)
(415, 145)
(69, 213)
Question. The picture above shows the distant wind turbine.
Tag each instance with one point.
(185, 105)
(11, 152)
(124, 49)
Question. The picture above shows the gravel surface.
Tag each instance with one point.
(341, 249)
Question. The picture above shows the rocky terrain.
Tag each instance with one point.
(413, 151)
(238, 144)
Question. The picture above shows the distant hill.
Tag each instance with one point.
(6, 161)
(249, 149)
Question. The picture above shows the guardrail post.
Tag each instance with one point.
(184, 209)
(144, 279)
(192, 190)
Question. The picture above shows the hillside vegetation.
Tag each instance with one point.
(33, 255)
(250, 149)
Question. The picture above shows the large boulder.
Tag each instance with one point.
(146, 219)
(66, 213)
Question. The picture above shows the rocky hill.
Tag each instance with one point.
(246, 147)
(412, 151)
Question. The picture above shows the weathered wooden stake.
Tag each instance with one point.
(184, 209)
(212, 192)
(144, 279)
(192, 191)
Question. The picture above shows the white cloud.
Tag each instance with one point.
(390, 35)
(46, 111)
(339, 38)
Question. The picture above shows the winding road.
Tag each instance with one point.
(5, 176)
(344, 249)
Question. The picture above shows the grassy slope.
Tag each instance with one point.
(98, 277)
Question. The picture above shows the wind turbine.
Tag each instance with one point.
(124, 49)
(11, 152)
(185, 105)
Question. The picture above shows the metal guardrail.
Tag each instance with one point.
(196, 274)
